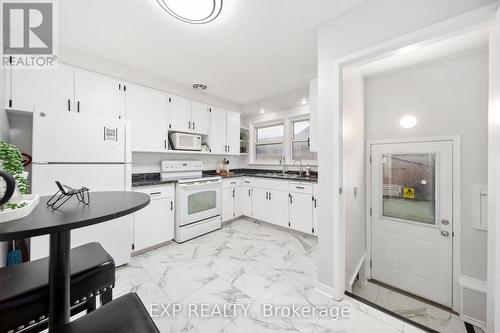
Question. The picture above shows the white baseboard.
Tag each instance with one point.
(327, 290)
(473, 301)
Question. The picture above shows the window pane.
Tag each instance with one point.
(300, 151)
(409, 187)
(270, 134)
(268, 152)
(301, 130)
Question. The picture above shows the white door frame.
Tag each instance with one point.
(476, 19)
(456, 241)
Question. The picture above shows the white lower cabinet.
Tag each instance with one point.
(270, 206)
(246, 201)
(301, 212)
(154, 224)
(231, 199)
(315, 214)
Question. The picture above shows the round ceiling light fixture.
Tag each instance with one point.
(408, 121)
(200, 86)
(262, 110)
(192, 11)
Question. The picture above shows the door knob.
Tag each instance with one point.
(445, 222)
(445, 233)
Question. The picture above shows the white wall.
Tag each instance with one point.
(448, 97)
(354, 172)
(372, 23)
(90, 62)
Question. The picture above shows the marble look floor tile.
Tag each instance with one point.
(225, 261)
(403, 305)
(128, 276)
(179, 280)
(411, 329)
(375, 313)
(444, 321)
(305, 269)
(368, 291)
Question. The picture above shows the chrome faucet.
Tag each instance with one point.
(283, 163)
(300, 170)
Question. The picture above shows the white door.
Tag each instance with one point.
(76, 138)
(233, 133)
(246, 201)
(148, 113)
(301, 212)
(98, 94)
(218, 131)
(200, 118)
(180, 108)
(412, 220)
(43, 90)
(227, 204)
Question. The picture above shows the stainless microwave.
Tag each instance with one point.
(185, 141)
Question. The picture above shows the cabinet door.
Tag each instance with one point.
(246, 201)
(200, 118)
(233, 132)
(238, 201)
(315, 215)
(98, 94)
(260, 204)
(148, 114)
(43, 90)
(228, 204)
(218, 131)
(180, 109)
(152, 224)
(278, 209)
(301, 212)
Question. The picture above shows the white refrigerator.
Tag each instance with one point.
(83, 150)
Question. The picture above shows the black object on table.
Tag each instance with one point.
(59, 223)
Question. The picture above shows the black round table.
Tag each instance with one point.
(104, 206)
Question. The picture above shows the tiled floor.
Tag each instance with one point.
(413, 309)
(246, 263)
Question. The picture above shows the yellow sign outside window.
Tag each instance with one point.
(409, 193)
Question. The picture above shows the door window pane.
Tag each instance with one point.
(201, 201)
(409, 190)
(269, 152)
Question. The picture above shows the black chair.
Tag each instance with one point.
(24, 288)
(125, 314)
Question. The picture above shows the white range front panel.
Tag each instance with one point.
(116, 235)
(72, 137)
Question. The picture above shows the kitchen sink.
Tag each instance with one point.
(278, 175)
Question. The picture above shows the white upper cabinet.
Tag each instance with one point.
(200, 118)
(181, 114)
(42, 90)
(218, 131)
(99, 94)
(233, 133)
(313, 115)
(148, 111)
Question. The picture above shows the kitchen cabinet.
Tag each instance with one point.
(154, 224)
(148, 111)
(99, 94)
(301, 212)
(200, 118)
(246, 201)
(231, 199)
(233, 132)
(218, 131)
(270, 206)
(42, 90)
(180, 114)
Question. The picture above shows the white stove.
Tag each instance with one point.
(198, 199)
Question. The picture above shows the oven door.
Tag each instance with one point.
(199, 201)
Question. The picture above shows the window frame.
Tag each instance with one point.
(292, 138)
(255, 143)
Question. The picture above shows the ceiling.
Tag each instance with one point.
(254, 50)
(423, 53)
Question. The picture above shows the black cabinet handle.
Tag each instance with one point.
(249, 192)
(154, 193)
(267, 195)
(315, 203)
(165, 143)
(189, 125)
(194, 127)
(228, 148)
(69, 104)
(290, 196)
(78, 106)
(233, 192)
(300, 187)
(171, 205)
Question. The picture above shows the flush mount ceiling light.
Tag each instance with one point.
(303, 101)
(262, 110)
(199, 86)
(408, 121)
(192, 11)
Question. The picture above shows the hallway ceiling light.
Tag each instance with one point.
(408, 121)
(303, 101)
(192, 11)
(262, 110)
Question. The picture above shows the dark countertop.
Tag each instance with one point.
(261, 173)
(154, 179)
(104, 206)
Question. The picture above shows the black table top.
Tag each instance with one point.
(104, 206)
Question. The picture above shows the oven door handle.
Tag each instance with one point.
(199, 185)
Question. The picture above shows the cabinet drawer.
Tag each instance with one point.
(300, 188)
(271, 184)
(158, 192)
(229, 183)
